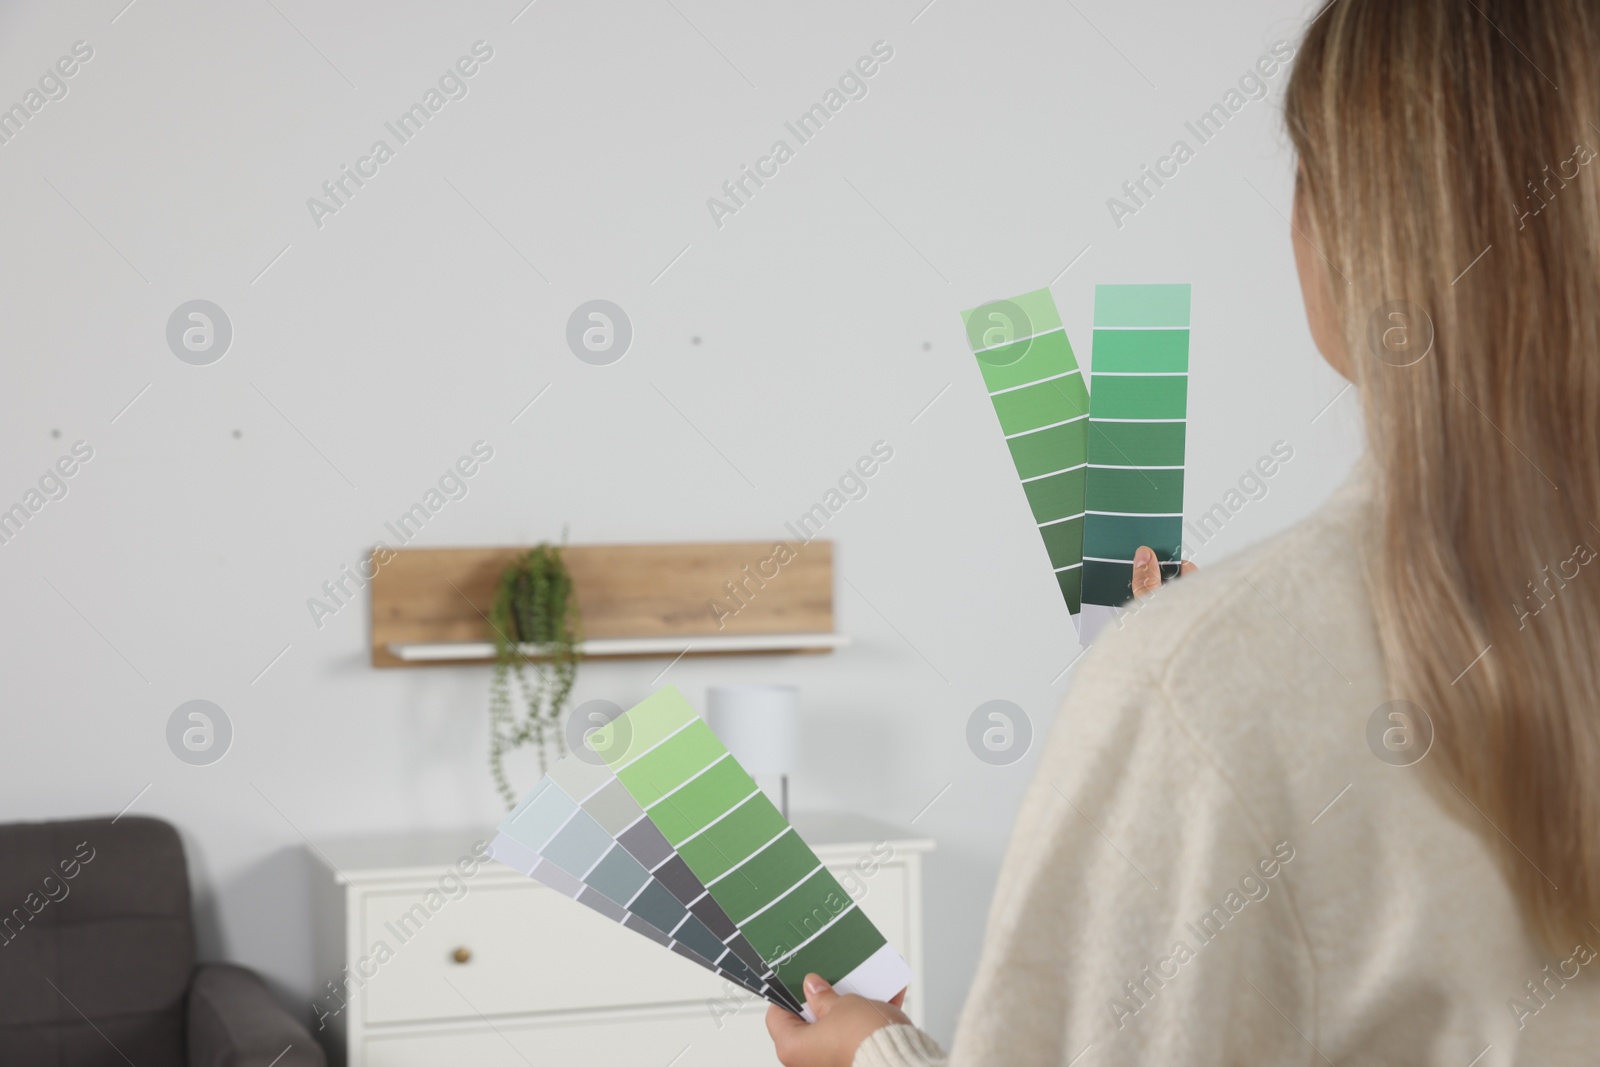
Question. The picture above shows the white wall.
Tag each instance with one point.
(379, 347)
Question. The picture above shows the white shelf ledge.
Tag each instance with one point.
(633, 646)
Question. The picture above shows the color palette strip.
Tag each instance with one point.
(507, 850)
(550, 825)
(588, 779)
(1040, 397)
(780, 896)
(655, 825)
(1138, 417)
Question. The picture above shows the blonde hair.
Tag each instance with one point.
(1444, 150)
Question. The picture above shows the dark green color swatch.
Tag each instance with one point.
(1136, 444)
(1119, 536)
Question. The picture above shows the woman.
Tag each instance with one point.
(1239, 848)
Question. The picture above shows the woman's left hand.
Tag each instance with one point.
(843, 1022)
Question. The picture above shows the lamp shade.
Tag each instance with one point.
(760, 724)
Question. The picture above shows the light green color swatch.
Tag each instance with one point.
(1042, 403)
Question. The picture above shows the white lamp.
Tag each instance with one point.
(760, 724)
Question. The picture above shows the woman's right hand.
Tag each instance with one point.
(843, 1022)
(1147, 572)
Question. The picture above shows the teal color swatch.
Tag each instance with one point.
(1133, 489)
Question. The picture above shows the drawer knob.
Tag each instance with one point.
(462, 954)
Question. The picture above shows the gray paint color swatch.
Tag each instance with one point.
(598, 791)
(514, 854)
(581, 848)
(579, 845)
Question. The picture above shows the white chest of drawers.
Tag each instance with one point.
(424, 961)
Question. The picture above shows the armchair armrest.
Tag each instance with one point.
(234, 1021)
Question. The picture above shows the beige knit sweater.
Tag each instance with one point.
(1213, 867)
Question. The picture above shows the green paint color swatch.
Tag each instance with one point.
(1071, 583)
(1123, 306)
(719, 846)
(1042, 403)
(1056, 497)
(1142, 492)
(1064, 541)
(1136, 351)
(1134, 481)
(1107, 583)
(785, 862)
(1031, 360)
(657, 772)
(790, 908)
(687, 810)
(1118, 536)
(1000, 322)
(1047, 403)
(1135, 444)
(1047, 451)
(832, 954)
(1140, 396)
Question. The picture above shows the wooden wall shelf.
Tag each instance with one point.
(430, 606)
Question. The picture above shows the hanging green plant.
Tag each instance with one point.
(533, 606)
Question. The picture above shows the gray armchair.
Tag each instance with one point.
(97, 959)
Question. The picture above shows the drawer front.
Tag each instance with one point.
(695, 1040)
(534, 950)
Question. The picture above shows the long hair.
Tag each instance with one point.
(1449, 176)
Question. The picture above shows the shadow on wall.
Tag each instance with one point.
(274, 895)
